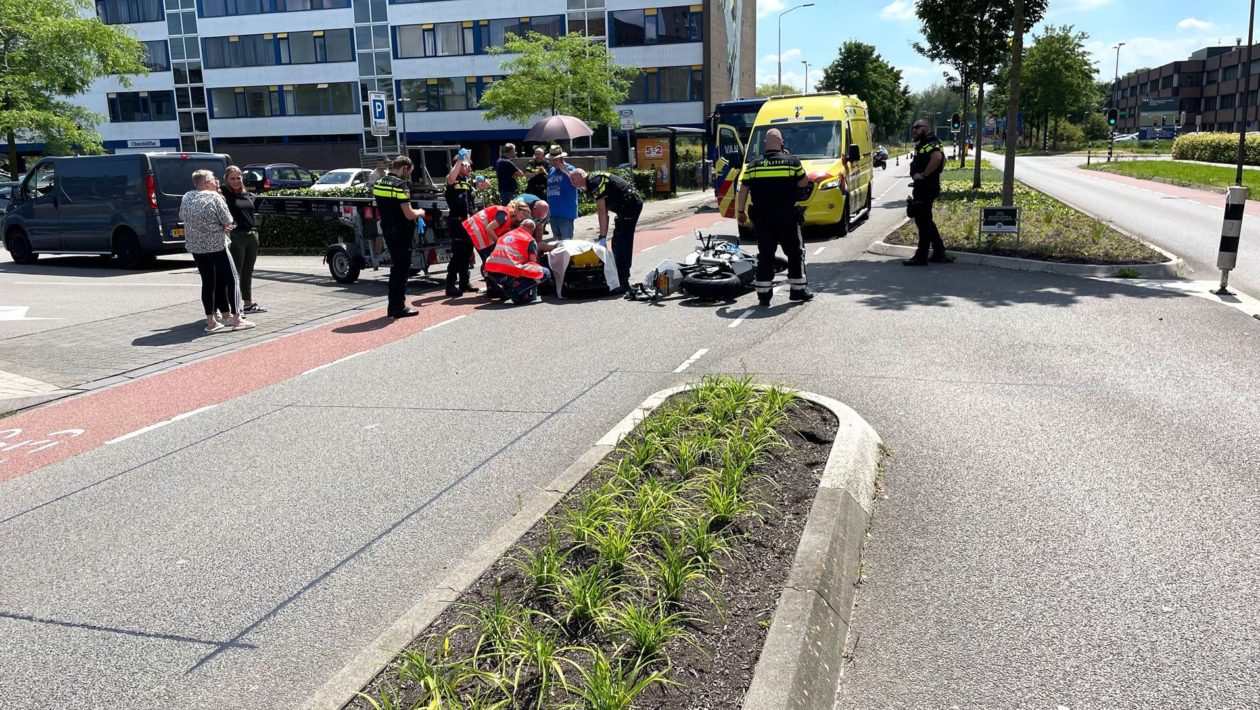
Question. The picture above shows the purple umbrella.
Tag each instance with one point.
(559, 127)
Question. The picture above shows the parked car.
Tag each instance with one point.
(341, 179)
(881, 158)
(260, 177)
(1126, 137)
(121, 205)
(6, 191)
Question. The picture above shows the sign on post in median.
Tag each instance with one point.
(1000, 220)
(380, 119)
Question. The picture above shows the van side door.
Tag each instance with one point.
(93, 191)
(43, 208)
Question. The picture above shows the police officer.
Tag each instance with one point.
(612, 193)
(461, 201)
(398, 222)
(773, 181)
(925, 170)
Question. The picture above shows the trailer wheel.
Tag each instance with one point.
(713, 285)
(342, 267)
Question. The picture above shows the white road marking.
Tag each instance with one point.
(691, 360)
(741, 318)
(18, 313)
(86, 283)
(647, 249)
(160, 424)
(680, 236)
(334, 362)
(445, 322)
(819, 250)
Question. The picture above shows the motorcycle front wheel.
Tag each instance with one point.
(713, 285)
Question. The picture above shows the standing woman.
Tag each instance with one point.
(206, 223)
(244, 237)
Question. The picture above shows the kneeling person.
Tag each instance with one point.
(513, 265)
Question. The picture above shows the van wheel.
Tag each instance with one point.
(128, 251)
(842, 227)
(870, 204)
(20, 248)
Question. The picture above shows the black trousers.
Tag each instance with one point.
(461, 253)
(774, 231)
(218, 282)
(399, 244)
(623, 243)
(929, 235)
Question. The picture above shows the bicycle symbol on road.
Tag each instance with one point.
(10, 441)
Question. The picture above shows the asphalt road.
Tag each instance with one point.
(1181, 220)
(1063, 522)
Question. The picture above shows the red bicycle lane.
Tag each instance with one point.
(60, 430)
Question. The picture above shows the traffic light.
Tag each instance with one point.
(955, 123)
(1113, 117)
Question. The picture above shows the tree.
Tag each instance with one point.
(861, 72)
(568, 74)
(972, 37)
(773, 89)
(1060, 76)
(936, 99)
(51, 50)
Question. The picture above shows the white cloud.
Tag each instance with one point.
(769, 7)
(898, 10)
(791, 54)
(1150, 52)
(1191, 23)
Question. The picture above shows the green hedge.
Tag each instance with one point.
(1216, 148)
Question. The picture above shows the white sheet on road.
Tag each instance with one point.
(567, 249)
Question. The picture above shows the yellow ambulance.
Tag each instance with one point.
(831, 134)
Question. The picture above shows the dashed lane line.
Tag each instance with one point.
(819, 250)
(161, 424)
(335, 362)
(691, 360)
(445, 322)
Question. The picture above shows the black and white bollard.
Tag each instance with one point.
(1231, 230)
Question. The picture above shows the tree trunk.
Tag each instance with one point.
(1012, 105)
(13, 157)
(975, 180)
(962, 129)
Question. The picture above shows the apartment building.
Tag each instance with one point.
(273, 80)
(1206, 86)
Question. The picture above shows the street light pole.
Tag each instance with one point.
(1115, 89)
(1244, 81)
(779, 54)
(806, 63)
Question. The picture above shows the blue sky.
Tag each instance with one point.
(1154, 32)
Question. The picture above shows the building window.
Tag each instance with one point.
(1227, 101)
(666, 25)
(131, 106)
(444, 94)
(1166, 82)
(1190, 79)
(224, 8)
(288, 100)
(117, 12)
(316, 47)
(1230, 72)
(587, 17)
(667, 84)
(460, 38)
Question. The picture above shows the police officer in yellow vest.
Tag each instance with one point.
(925, 171)
(398, 222)
(773, 181)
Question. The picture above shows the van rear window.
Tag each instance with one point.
(174, 176)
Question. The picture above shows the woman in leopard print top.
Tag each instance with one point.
(207, 222)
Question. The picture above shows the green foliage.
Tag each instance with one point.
(1214, 177)
(936, 99)
(51, 50)
(1067, 135)
(1094, 127)
(614, 687)
(862, 72)
(1216, 148)
(1058, 76)
(773, 89)
(309, 235)
(568, 75)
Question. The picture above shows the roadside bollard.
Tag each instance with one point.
(1231, 230)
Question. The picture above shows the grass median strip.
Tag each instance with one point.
(1049, 229)
(1213, 177)
(651, 584)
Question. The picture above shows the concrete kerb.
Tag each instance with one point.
(800, 662)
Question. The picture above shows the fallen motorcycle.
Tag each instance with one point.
(718, 270)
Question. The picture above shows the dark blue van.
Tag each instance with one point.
(126, 206)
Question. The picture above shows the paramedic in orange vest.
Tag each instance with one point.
(484, 229)
(513, 265)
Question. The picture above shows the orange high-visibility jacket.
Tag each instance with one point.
(485, 229)
(511, 256)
